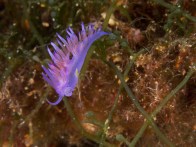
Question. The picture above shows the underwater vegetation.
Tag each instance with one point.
(117, 73)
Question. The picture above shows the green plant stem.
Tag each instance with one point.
(86, 61)
(81, 129)
(32, 26)
(34, 30)
(109, 13)
(138, 106)
(13, 64)
(161, 105)
(165, 4)
(121, 138)
(108, 120)
(72, 115)
(36, 109)
(174, 8)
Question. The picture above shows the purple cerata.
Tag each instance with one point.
(67, 59)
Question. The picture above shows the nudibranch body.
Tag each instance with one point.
(68, 58)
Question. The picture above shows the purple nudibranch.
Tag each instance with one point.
(68, 58)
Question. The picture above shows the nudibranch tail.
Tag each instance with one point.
(68, 58)
(56, 102)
